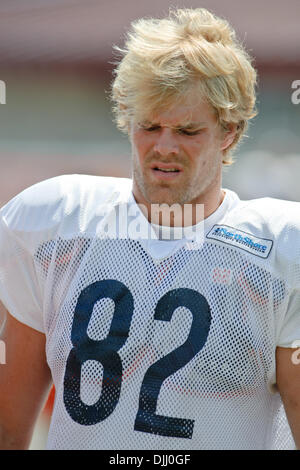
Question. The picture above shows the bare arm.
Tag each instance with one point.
(288, 382)
(25, 380)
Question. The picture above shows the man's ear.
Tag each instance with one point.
(228, 135)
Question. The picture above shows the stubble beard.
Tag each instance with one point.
(165, 193)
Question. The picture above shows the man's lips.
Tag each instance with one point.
(166, 171)
(166, 166)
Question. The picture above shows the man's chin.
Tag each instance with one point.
(164, 196)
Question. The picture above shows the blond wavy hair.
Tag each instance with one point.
(164, 59)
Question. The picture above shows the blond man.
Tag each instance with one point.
(157, 334)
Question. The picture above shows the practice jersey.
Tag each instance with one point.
(155, 341)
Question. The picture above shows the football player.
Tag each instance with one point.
(157, 335)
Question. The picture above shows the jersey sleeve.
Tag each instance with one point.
(19, 289)
(289, 335)
(289, 332)
(25, 221)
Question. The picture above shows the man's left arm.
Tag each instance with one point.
(288, 382)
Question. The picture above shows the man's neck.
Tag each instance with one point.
(177, 215)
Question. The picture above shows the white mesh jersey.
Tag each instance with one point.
(153, 345)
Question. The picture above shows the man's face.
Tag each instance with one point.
(186, 139)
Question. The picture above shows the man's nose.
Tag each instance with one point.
(166, 142)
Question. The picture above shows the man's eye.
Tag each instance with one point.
(186, 132)
(180, 131)
(150, 129)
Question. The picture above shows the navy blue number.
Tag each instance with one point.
(147, 420)
(104, 351)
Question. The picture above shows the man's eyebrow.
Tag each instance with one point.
(190, 125)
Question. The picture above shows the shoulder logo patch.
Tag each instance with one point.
(243, 240)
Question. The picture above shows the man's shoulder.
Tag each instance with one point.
(48, 202)
(269, 222)
(267, 215)
(264, 204)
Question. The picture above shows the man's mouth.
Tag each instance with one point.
(166, 167)
(165, 170)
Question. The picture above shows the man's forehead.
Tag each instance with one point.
(181, 116)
